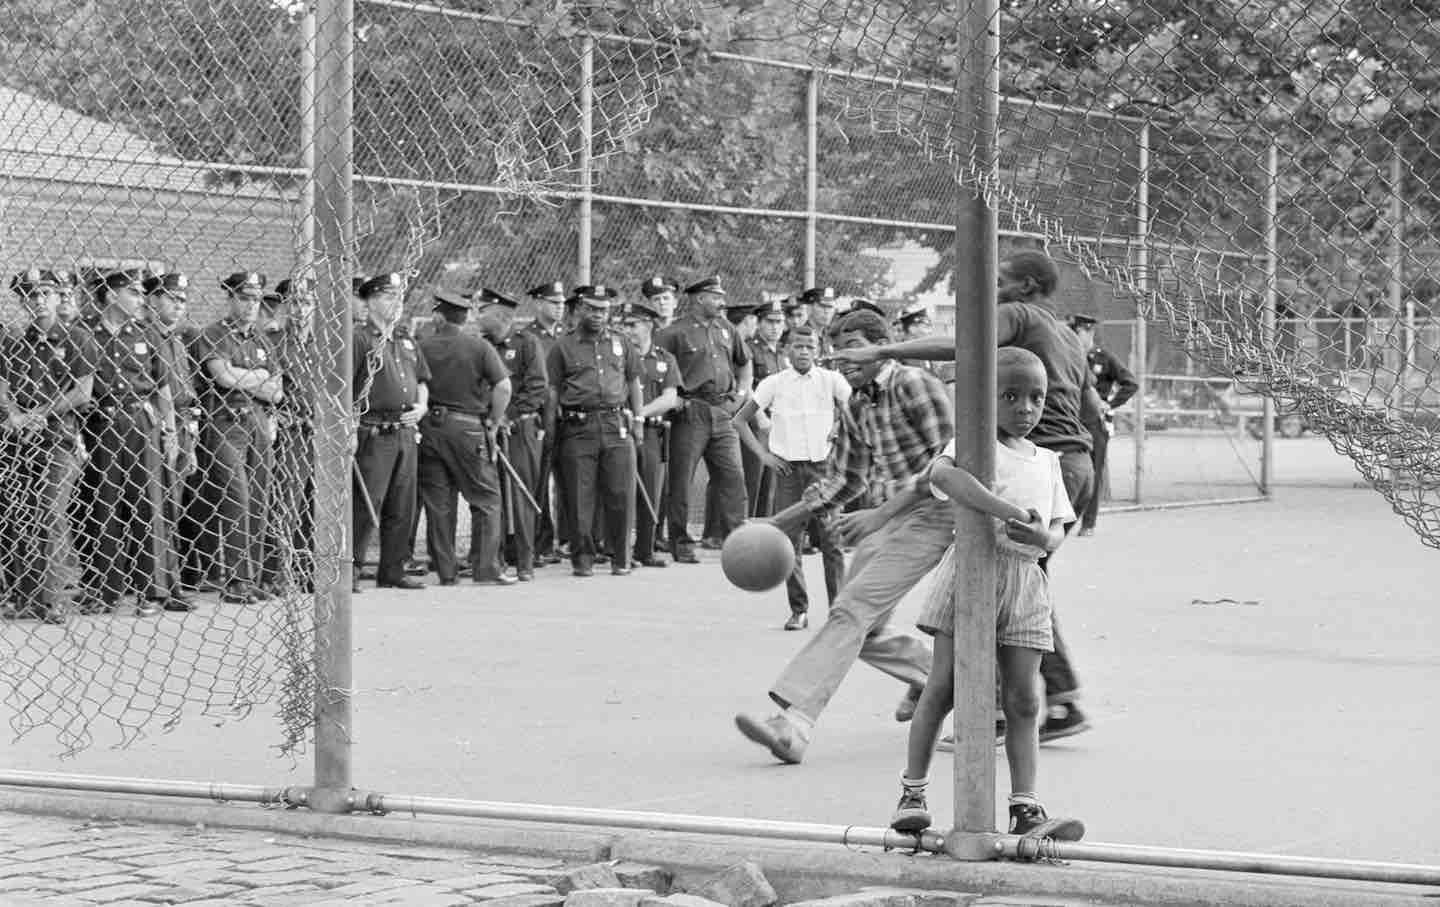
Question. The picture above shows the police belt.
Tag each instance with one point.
(580, 414)
(439, 415)
(108, 407)
(656, 420)
(711, 399)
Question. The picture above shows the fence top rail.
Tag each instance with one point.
(1219, 130)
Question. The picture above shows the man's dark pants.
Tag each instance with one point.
(456, 461)
(596, 457)
(704, 431)
(122, 549)
(386, 456)
(39, 482)
(1099, 454)
(523, 449)
(1061, 685)
(788, 491)
(237, 491)
(650, 464)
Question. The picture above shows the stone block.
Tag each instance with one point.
(595, 875)
(643, 875)
(679, 899)
(607, 897)
(553, 899)
(742, 885)
(509, 889)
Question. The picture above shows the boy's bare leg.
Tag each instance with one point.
(1022, 692)
(936, 701)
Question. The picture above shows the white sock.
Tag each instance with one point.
(803, 724)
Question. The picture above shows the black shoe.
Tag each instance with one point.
(583, 570)
(416, 567)
(404, 582)
(525, 576)
(238, 595)
(710, 543)
(653, 561)
(145, 608)
(911, 813)
(178, 604)
(1029, 819)
(550, 558)
(449, 582)
(686, 556)
(662, 545)
(797, 621)
(1064, 720)
(617, 570)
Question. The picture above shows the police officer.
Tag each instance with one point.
(796, 312)
(1115, 385)
(167, 299)
(390, 375)
(548, 324)
(660, 298)
(287, 325)
(660, 394)
(716, 527)
(714, 372)
(914, 322)
(240, 385)
(130, 434)
(523, 428)
(46, 377)
(821, 307)
(767, 359)
(595, 379)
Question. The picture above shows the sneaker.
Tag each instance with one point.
(775, 734)
(797, 621)
(906, 709)
(911, 814)
(1064, 720)
(1029, 820)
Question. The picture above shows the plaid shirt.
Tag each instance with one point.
(888, 435)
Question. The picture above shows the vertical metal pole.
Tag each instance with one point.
(1267, 313)
(305, 242)
(977, 99)
(587, 175)
(333, 180)
(812, 170)
(1395, 285)
(1142, 283)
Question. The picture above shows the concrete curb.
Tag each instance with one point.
(799, 871)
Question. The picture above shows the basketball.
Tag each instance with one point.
(757, 556)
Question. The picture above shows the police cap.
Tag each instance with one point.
(27, 282)
(554, 291)
(487, 297)
(655, 286)
(597, 295)
(708, 285)
(636, 310)
(172, 284)
(380, 283)
(1083, 321)
(817, 295)
(128, 279)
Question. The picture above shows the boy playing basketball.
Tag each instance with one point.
(1030, 503)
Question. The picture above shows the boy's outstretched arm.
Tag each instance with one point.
(961, 486)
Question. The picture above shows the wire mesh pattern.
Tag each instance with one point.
(1257, 178)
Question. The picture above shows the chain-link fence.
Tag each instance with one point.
(1257, 183)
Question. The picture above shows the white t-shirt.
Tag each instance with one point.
(802, 411)
(1030, 480)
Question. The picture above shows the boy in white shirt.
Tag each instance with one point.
(801, 402)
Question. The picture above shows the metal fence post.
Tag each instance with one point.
(587, 175)
(812, 170)
(1267, 314)
(977, 101)
(333, 178)
(1142, 282)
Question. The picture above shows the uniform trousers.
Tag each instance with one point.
(650, 466)
(596, 457)
(235, 496)
(457, 461)
(523, 449)
(759, 479)
(39, 477)
(1099, 454)
(290, 548)
(704, 431)
(1061, 684)
(122, 551)
(885, 566)
(386, 458)
(789, 489)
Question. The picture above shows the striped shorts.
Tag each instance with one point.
(1022, 599)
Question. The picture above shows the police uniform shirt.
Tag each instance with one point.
(1109, 372)
(592, 371)
(766, 361)
(243, 348)
(709, 353)
(176, 350)
(129, 363)
(529, 385)
(463, 368)
(388, 373)
(284, 345)
(658, 372)
(40, 366)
